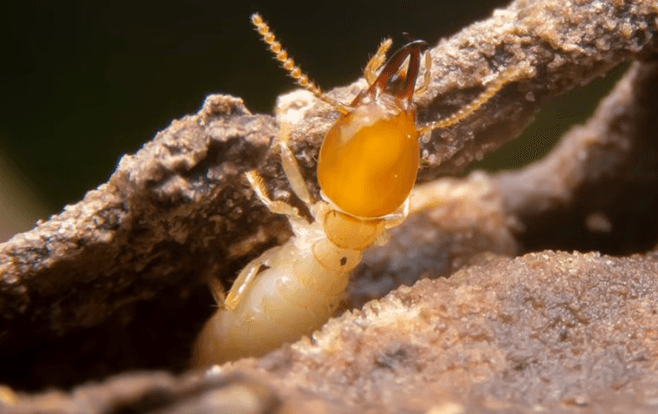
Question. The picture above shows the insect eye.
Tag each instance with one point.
(368, 161)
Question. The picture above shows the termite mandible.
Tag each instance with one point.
(366, 169)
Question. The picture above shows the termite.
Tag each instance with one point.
(366, 170)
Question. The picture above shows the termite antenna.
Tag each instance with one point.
(288, 63)
(510, 75)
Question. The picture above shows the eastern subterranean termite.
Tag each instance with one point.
(366, 170)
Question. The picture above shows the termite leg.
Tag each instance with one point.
(426, 77)
(275, 206)
(217, 290)
(291, 168)
(244, 280)
(376, 62)
(241, 284)
(247, 275)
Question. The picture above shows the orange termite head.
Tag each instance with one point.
(369, 159)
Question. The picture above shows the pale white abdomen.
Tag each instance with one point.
(295, 295)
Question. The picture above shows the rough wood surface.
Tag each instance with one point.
(116, 281)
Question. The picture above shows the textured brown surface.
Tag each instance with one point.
(115, 282)
(456, 222)
(546, 330)
(597, 190)
(166, 218)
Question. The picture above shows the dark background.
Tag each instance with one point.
(85, 82)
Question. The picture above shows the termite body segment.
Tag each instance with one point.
(299, 290)
(366, 170)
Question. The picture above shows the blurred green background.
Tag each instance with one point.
(84, 82)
